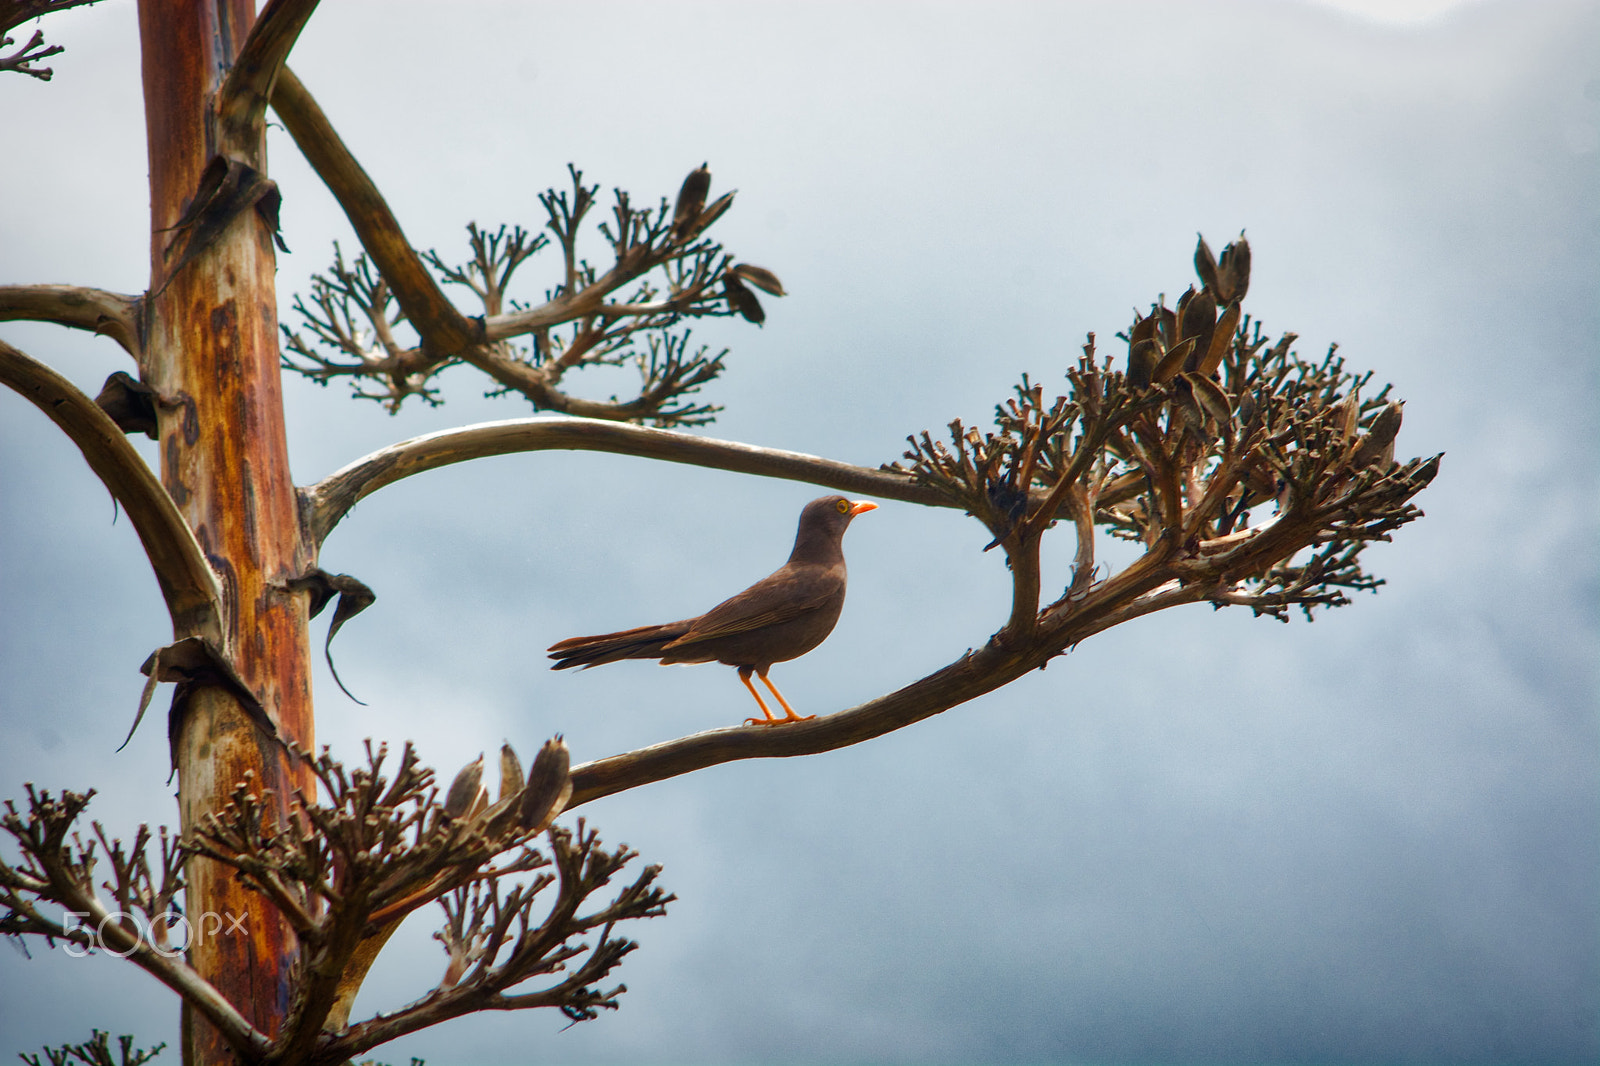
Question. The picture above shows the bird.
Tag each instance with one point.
(780, 617)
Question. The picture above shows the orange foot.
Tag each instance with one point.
(779, 721)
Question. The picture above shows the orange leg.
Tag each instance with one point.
(744, 675)
(789, 715)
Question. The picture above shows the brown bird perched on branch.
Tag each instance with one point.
(780, 617)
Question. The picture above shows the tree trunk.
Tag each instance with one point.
(212, 356)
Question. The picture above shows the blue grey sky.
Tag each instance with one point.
(1198, 837)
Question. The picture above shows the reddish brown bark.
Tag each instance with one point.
(212, 355)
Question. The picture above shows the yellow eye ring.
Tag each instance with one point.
(843, 506)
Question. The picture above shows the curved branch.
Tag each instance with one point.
(243, 99)
(996, 664)
(187, 581)
(330, 499)
(444, 329)
(96, 310)
(182, 978)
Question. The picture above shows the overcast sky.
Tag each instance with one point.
(1199, 837)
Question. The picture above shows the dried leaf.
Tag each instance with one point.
(190, 663)
(130, 403)
(269, 207)
(354, 597)
(226, 188)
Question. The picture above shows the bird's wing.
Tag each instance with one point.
(785, 595)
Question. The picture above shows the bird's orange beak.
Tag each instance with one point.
(861, 507)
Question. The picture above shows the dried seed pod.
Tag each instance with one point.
(464, 789)
(691, 201)
(1167, 321)
(760, 277)
(1427, 472)
(742, 299)
(1188, 406)
(1142, 358)
(1206, 364)
(1247, 408)
(549, 786)
(1143, 329)
(510, 772)
(1173, 361)
(1211, 397)
(1379, 441)
(1343, 416)
(1205, 265)
(1197, 317)
(1233, 271)
(718, 207)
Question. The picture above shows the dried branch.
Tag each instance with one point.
(57, 866)
(96, 310)
(14, 13)
(1252, 478)
(672, 274)
(330, 499)
(345, 872)
(445, 330)
(242, 102)
(22, 59)
(96, 1051)
(187, 582)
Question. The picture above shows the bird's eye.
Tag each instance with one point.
(843, 507)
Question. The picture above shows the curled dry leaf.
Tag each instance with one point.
(130, 403)
(354, 597)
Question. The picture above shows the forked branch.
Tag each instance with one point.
(242, 102)
(14, 13)
(110, 313)
(344, 872)
(330, 499)
(665, 272)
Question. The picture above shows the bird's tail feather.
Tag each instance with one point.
(645, 642)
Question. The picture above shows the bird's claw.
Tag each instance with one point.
(779, 721)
